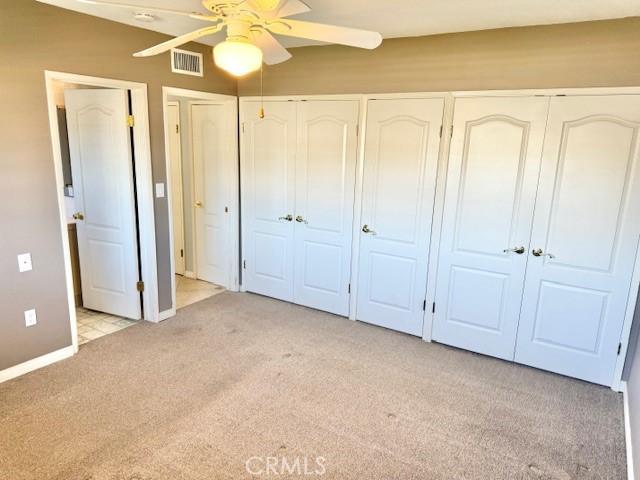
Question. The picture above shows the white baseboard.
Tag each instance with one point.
(189, 274)
(36, 363)
(167, 314)
(627, 432)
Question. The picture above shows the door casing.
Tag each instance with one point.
(233, 200)
(144, 187)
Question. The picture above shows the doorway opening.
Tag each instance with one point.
(203, 190)
(103, 175)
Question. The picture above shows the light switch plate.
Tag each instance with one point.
(24, 262)
(30, 318)
(159, 190)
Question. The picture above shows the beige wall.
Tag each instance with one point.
(604, 53)
(33, 38)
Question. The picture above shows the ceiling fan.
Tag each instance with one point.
(250, 24)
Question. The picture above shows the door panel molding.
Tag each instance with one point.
(575, 301)
(489, 199)
(398, 191)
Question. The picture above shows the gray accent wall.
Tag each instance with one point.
(37, 37)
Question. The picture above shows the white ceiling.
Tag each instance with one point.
(399, 18)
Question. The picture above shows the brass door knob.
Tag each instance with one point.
(78, 216)
(198, 204)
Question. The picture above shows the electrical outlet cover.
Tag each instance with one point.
(30, 318)
(24, 262)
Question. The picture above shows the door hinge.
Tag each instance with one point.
(177, 128)
(226, 209)
(140, 286)
(619, 348)
(349, 288)
(451, 132)
(131, 121)
(357, 130)
(244, 264)
(441, 127)
(433, 308)
(424, 305)
(242, 126)
(181, 253)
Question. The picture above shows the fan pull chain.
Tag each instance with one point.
(261, 114)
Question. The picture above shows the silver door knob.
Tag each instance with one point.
(287, 218)
(299, 219)
(366, 229)
(518, 250)
(538, 252)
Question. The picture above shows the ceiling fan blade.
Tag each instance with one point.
(270, 9)
(272, 51)
(326, 33)
(200, 16)
(176, 42)
(293, 7)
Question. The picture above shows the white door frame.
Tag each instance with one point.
(233, 238)
(616, 382)
(144, 187)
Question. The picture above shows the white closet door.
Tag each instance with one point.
(211, 131)
(587, 226)
(491, 185)
(325, 184)
(175, 160)
(401, 158)
(268, 185)
(102, 168)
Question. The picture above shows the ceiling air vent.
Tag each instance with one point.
(185, 62)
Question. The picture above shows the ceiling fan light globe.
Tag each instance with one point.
(239, 58)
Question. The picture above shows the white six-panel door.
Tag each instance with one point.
(268, 200)
(325, 185)
(212, 157)
(102, 170)
(492, 177)
(400, 166)
(585, 232)
(177, 200)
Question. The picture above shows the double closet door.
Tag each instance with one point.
(298, 177)
(540, 230)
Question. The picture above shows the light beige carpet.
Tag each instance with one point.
(239, 378)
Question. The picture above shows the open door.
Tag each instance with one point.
(177, 204)
(102, 170)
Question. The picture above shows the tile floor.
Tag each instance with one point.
(190, 290)
(92, 325)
